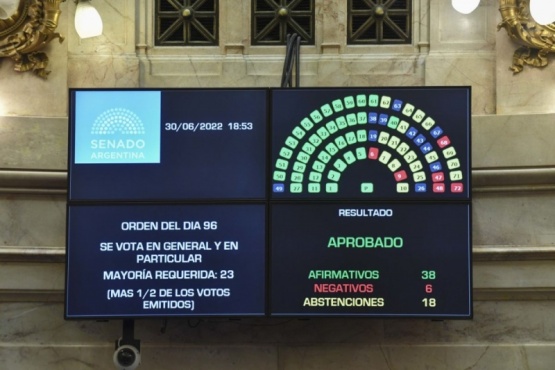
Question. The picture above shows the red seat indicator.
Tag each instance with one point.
(443, 141)
(439, 187)
(373, 153)
(457, 187)
(438, 177)
(400, 175)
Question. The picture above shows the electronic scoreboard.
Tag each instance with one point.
(312, 202)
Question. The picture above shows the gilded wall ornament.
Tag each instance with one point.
(536, 41)
(29, 30)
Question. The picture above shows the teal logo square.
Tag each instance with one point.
(117, 126)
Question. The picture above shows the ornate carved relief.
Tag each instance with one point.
(536, 41)
(28, 31)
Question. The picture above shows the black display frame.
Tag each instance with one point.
(268, 200)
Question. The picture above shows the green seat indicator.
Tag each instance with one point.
(332, 187)
(367, 187)
(374, 100)
(315, 177)
(282, 164)
(303, 157)
(318, 166)
(349, 157)
(332, 148)
(298, 132)
(393, 122)
(340, 165)
(352, 119)
(362, 118)
(308, 148)
(316, 116)
(349, 102)
(327, 110)
(341, 122)
(361, 153)
(324, 156)
(297, 177)
(362, 136)
(323, 133)
(291, 142)
(332, 127)
(361, 100)
(315, 140)
(351, 137)
(340, 142)
(337, 105)
(286, 153)
(334, 175)
(299, 167)
(280, 175)
(313, 188)
(307, 124)
(296, 188)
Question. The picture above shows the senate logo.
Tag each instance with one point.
(117, 127)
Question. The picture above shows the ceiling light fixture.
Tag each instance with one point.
(88, 22)
(465, 6)
(543, 11)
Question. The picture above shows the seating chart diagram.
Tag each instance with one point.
(370, 143)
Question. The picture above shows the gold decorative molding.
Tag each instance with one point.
(536, 41)
(28, 31)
